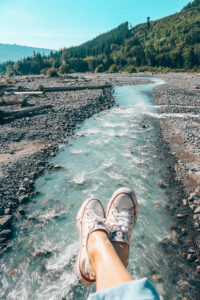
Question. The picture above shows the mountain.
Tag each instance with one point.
(168, 44)
(16, 52)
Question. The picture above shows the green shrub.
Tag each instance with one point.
(64, 69)
(43, 71)
(113, 69)
(52, 72)
(130, 69)
(99, 69)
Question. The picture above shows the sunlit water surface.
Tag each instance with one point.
(118, 147)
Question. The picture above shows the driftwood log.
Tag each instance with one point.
(74, 88)
(31, 93)
(22, 112)
(43, 89)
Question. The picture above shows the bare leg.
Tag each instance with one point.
(122, 250)
(107, 265)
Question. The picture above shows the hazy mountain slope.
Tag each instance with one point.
(16, 52)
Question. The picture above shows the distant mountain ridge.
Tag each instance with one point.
(168, 44)
(15, 52)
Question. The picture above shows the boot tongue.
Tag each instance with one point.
(119, 236)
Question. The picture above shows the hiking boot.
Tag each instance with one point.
(90, 218)
(121, 215)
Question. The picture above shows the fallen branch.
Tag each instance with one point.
(33, 93)
(74, 88)
(22, 112)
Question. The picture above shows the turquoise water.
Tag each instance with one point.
(118, 147)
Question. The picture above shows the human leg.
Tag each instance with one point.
(107, 265)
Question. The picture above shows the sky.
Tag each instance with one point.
(56, 24)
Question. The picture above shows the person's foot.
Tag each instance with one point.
(90, 218)
(121, 216)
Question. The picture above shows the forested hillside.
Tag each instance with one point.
(171, 43)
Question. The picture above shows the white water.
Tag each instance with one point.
(119, 147)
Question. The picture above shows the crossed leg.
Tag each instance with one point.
(108, 261)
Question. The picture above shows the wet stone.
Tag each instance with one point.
(191, 257)
(7, 211)
(5, 221)
(183, 285)
(5, 233)
(198, 270)
(23, 198)
(197, 210)
(191, 250)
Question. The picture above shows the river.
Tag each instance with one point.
(114, 148)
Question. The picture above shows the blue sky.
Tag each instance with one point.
(56, 24)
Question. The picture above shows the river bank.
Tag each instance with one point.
(27, 143)
(179, 106)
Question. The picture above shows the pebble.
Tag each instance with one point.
(23, 198)
(183, 285)
(157, 277)
(197, 210)
(191, 250)
(184, 202)
(191, 257)
(57, 167)
(198, 270)
(7, 211)
(5, 233)
(5, 221)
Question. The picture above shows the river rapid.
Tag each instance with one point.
(114, 148)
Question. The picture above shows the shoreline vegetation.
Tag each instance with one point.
(29, 140)
(170, 44)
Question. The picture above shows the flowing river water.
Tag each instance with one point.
(114, 148)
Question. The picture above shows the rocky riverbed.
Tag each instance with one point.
(28, 141)
(179, 106)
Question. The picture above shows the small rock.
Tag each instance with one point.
(5, 233)
(5, 221)
(192, 195)
(162, 184)
(2, 240)
(174, 234)
(191, 257)
(57, 167)
(22, 188)
(180, 216)
(184, 202)
(7, 211)
(197, 210)
(23, 198)
(191, 250)
(157, 277)
(198, 270)
(183, 285)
